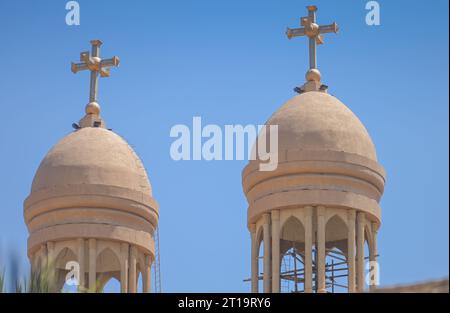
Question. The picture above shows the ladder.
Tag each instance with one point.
(157, 264)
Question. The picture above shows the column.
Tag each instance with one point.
(146, 283)
(351, 220)
(81, 260)
(124, 251)
(275, 251)
(321, 249)
(255, 258)
(308, 248)
(360, 221)
(267, 254)
(44, 257)
(373, 258)
(92, 264)
(51, 268)
(132, 270)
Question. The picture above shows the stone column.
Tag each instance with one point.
(373, 257)
(308, 248)
(92, 264)
(124, 251)
(132, 270)
(267, 254)
(44, 258)
(51, 254)
(81, 260)
(146, 279)
(321, 288)
(275, 251)
(51, 266)
(360, 220)
(351, 242)
(255, 258)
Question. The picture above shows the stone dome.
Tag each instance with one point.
(325, 157)
(95, 156)
(318, 121)
(91, 184)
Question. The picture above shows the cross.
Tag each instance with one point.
(313, 31)
(96, 65)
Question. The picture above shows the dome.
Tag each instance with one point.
(325, 158)
(318, 121)
(91, 184)
(95, 156)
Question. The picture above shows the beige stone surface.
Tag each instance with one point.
(436, 286)
(91, 202)
(319, 121)
(324, 194)
(326, 156)
(92, 155)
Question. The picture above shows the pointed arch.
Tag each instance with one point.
(108, 261)
(336, 233)
(293, 230)
(62, 259)
(292, 249)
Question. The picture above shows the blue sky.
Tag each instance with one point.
(230, 63)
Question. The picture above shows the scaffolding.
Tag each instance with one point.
(292, 273)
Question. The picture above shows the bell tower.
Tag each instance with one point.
(310, 218)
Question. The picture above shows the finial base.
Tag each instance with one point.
(92, 120)
(313, 83)
(311, 86)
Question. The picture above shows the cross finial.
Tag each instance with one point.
(96, 66)
(314, 32)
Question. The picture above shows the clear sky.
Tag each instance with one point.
(230, 63)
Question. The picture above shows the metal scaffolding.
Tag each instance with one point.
(292, 273)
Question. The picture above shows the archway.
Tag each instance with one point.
(107, 267)
(336, 265)
(292, 249)
(64, 279)
(112, 285)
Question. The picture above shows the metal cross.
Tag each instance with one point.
(313, 31)
(96, 65)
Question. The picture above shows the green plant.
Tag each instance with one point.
(2, 282)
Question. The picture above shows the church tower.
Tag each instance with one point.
(313, 215)
(91, 203)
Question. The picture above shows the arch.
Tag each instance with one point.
(336, 261)
(64, 256)
(108, 261)
(292, 248)
(292, 230)
(139, 281)
(368, 235)
(61, 245)
(113, 246)
(336, 233)
(110, 285)
(107, 266)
